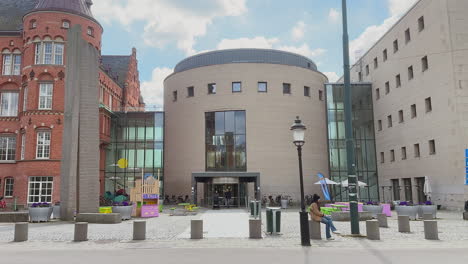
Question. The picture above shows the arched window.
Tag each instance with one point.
(11, 62)
(49, 51)
(65, 24)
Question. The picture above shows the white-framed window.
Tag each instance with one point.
(65, 24)
(7, 148)
(90, 31)
(11, 64)
(46, 91)
(23, 145)
(43, 145)
(25, 99)
(40, 189)
(8, 191)
(49, 53)
(9, 104)
(110, 102)
(101, 94)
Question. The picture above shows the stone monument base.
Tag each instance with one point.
(96, 218)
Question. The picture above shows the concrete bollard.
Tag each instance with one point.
(81, 232)
(372, 229)
(315, 231)
(465, 215)
(430, 230)
(428, 217)
(196, 229)
(382, 218)
(255, 228)
(21, 232)
(139, 230)
(404, 224)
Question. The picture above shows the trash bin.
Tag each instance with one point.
(284, 204)
(273, 215)
(254, 208)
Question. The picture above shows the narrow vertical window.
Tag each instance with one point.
(190, 91)
(395, 46)
(37, 57)
(389, 121)
(387, 87)
(401, 118)
(382, 157)
(428, 105)
(416, 151)
(377, 94)
(174, 96)
(7, 148)
(25, 99)
(367, 69)
(421, 25)
(414, 113)
(110, 102)
(403, 153)
(360, 76)
(424, 64)
(48, 49)
(58, 55)
(376, 63)
(262, 87)
(212, 88)
(23, 145)
(43, 145)
(398, 80)
(286, 88)
(407, 36)
(379, 125)
(236, 87)
(392, 155)
(307, 91)
(385, 55)
(9, 183)
(7, 58)
(320, 95)
(432, 147)
(410, 73)
(45, 96)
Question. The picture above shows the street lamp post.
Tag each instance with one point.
(298, 130)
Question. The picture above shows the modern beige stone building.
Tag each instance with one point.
(419, 73)
(228, 118)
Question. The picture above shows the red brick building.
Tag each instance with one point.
(33, 36)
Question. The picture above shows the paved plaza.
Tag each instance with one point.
(229, 229)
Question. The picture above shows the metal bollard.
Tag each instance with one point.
(196, 231)
(255, 228)
(404, 224)
(81, 232)
(139, 230)
(382, 218)
(315, 230)
(430, 230)
(372, 229)
(21, 232)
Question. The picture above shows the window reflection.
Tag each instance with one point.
(225, 141)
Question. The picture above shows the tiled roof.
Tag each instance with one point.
(117, 67)
(79, 7)
(12, 12)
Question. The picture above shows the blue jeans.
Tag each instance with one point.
(329, 225)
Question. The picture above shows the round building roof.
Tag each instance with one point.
(228, 56)
(78, 7)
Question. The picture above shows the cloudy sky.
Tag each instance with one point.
(167, 31)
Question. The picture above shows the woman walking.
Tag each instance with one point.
(318, 216)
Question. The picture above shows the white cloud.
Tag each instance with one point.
(298, 31)
(332, 76)
(153, 90)
(257, 42)
(333, 15)
(303, 50)
(169, 21)
(373, 33)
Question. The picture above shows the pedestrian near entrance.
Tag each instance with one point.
(228, 197)
(318, 216)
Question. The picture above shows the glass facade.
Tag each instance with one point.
(364, 136)
(137, 138)
(225, 141)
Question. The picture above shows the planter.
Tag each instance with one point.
(427, 209)
(411, 211)
(40, 214)
(124, 211)
(284, 204)
(373, 209)
(56, 211)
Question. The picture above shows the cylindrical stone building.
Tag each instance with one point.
(228, 119)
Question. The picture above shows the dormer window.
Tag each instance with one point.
(90, 31)
(33, 24)
(65, 24)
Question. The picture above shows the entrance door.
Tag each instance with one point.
(420, 189)
(228, 194)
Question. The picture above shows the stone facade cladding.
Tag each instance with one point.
(39, 26)
(425, 70)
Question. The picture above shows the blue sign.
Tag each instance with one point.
(466, 171)
(466, 162)
(466, 153)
